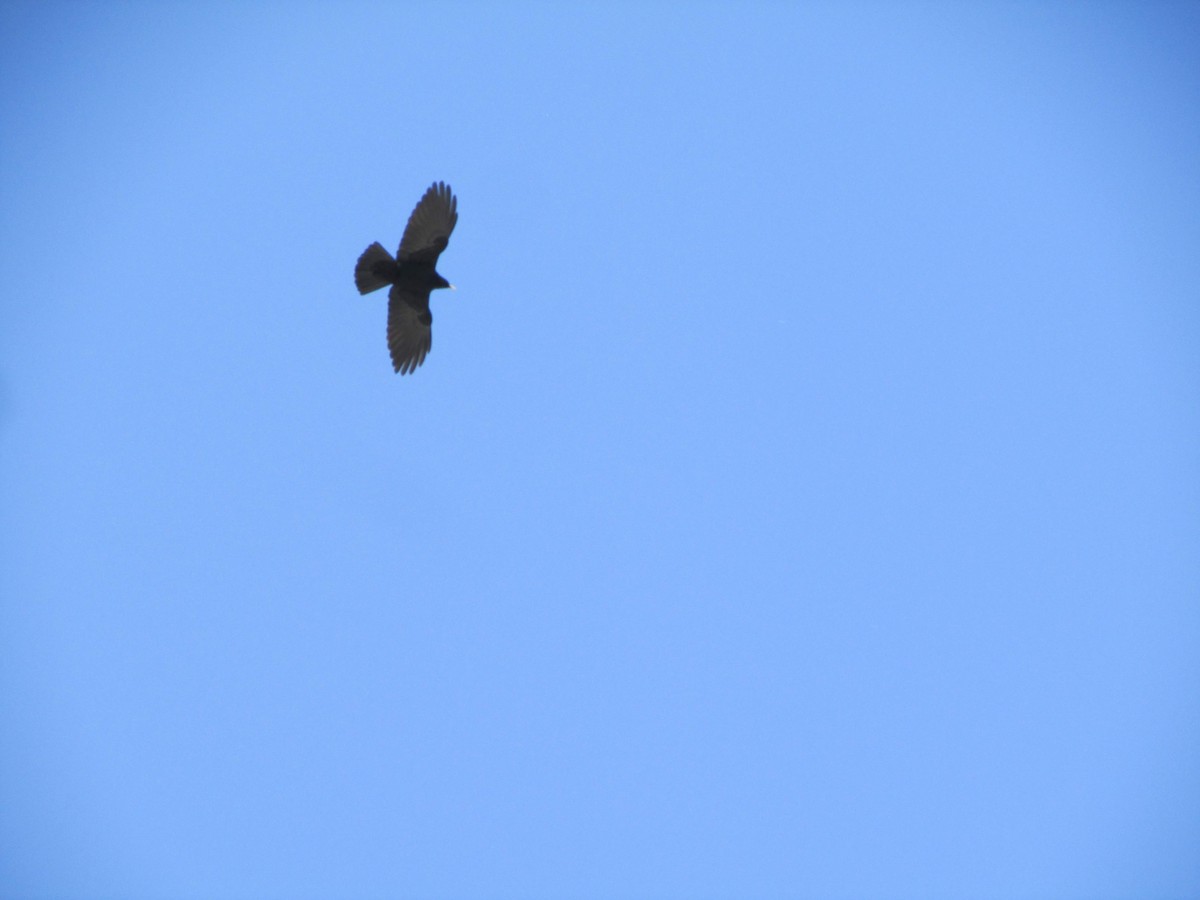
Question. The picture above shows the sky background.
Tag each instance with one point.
(801, 497)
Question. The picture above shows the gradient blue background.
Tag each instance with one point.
(801, 498)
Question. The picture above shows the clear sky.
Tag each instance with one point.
(801, 497)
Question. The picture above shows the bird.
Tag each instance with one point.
(412, 275)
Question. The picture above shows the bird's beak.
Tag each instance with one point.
(453, 288)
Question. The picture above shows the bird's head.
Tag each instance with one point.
(440, 282)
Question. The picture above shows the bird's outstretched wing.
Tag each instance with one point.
(408, 334)
(429, 226)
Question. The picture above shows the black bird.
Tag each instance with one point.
(412, 275)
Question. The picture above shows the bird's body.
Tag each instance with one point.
(412, 275)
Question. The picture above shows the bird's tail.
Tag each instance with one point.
(375, 269)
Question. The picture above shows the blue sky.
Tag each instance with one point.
(801, 498)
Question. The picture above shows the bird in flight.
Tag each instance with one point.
(412, 275)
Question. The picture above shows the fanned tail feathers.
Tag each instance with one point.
(375, 269)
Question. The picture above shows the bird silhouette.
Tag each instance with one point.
(412, 275)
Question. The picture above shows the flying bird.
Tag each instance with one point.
(412, 275)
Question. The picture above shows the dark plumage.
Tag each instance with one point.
(412, 275)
